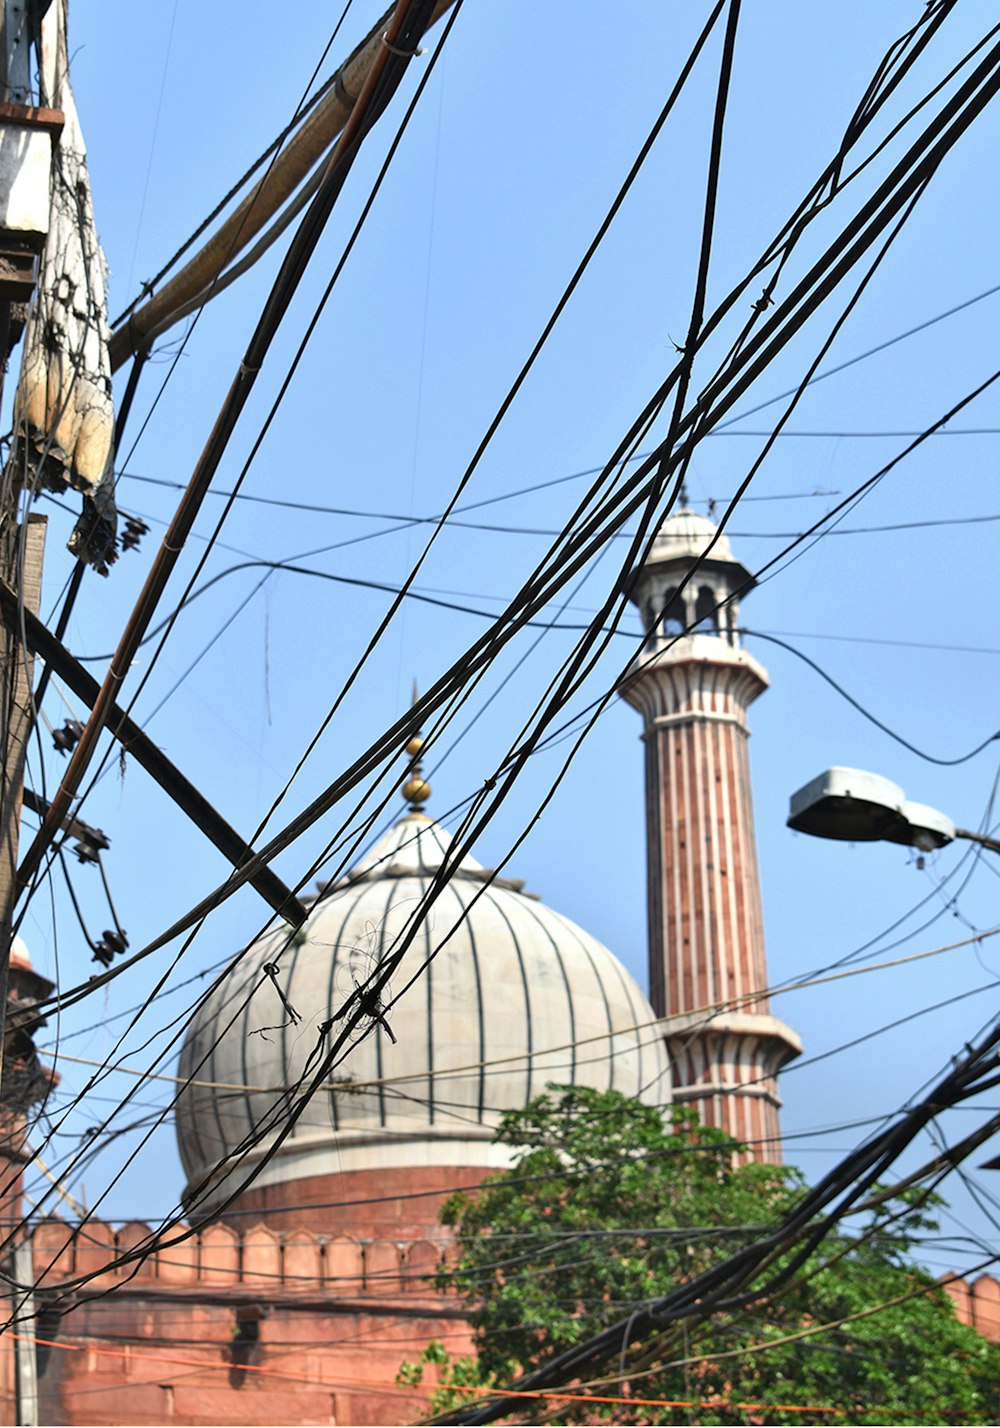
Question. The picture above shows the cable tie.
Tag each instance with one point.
(246, 371)
(395, 49)
(173, 549)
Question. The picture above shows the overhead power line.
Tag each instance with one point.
(406, 27)
(863, 356)
(965, 401)
(736, 1281)
(336, 113)
(445, 1073)
(867, 714)
(642, 498)
(304, 107)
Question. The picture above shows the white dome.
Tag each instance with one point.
(684, 535)
(515, 996)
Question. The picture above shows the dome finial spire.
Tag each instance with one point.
(416, 790)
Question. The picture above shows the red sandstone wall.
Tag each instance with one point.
(977, 1304)
(246, 1327)
(334, 1317)
(361, 1201)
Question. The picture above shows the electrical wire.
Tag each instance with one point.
(139, 360)
(867, 714)
(303, 108)
(386, 75)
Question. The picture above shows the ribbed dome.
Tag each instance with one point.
(685, 534)
(516, 996)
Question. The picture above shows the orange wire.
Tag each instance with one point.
(200, 1364)
(382, 1388)
(398, 1392)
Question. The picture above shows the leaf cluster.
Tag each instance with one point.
(610, 1204)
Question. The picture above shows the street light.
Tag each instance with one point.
(860, 807)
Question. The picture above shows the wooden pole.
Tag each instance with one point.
(21, 551)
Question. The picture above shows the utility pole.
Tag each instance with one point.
(28, 132)
(21, 551)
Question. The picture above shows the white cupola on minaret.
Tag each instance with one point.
(693, 683)
(672, 600)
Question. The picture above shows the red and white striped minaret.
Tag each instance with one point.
(707, 963)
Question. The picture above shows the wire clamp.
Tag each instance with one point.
(395, 49)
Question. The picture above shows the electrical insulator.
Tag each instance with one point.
(135, 529)
(92, 842)
(67, 738)
(111, 945)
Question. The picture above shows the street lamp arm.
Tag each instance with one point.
(992, 843)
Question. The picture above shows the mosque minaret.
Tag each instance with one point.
(693, 683)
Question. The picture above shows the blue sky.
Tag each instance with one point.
(520, 141)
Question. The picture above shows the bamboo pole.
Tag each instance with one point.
(303, 151)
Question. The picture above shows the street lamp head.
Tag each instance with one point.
(860, 807)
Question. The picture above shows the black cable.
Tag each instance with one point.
(732, 1283)
(867, 714)
(405, 41)
(395, 731)
(302, 109)
(621, 195)
(378, 102)
(862, 356)
(411, 25)
(406, 522)
(816, 530)
(892, 644)
(141, 357)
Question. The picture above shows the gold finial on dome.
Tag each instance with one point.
(416, 790)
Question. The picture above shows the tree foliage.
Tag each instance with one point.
(608, 1204)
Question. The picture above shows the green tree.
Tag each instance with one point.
(608, 1204)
